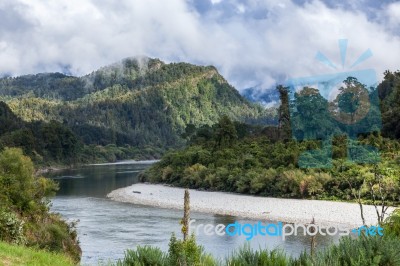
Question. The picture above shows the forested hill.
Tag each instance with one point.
(138, 102)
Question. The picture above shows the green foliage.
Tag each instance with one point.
(180, 253)
(254, 164)
(389, 93)
(19, 187)
(184, 252)
(50, 141)
(11, 228)
(24, 208)
(359, 252)
(248, 257)
(144, 256)
(391, 224)
(226, 132)
(139, 102)
(284, 114)
(50, 232)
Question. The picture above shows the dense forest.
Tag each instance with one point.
(137, 108)
(230, 156)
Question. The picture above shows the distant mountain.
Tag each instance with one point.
(62, 87)
(139, 102)
(265, 97)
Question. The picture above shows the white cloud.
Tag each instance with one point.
(215, 1)
(250, 42)
(393, 14)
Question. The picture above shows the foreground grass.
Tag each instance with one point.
(18, 255)
(362, 251)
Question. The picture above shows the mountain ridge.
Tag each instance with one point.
(137, 102)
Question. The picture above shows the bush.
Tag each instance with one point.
(25, 216)
(180, 253)
(391, 225)
(11, 228)
(362, 251)
(289, 183)
(54, 234)
(185, 252)
(193, 176)
(144, 256)
(247, 257)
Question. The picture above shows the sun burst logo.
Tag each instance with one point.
(343, 103)
(343, 53)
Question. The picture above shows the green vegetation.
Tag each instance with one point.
(12, 255)
(142, 108)
(362, 251)
(24, 208)
(234, 157)
(389, 93)
(352, 251)
(137, 108)
(256, 165)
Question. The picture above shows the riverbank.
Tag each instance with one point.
(273, 209)
(56, 168)
(127, 162)
(49, 169)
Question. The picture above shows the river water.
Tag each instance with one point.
(107, 228)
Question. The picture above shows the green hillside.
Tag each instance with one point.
(138, 102)
(266, 162)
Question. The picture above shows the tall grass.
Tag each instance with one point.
(362, 251)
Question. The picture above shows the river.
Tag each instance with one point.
(107, 228)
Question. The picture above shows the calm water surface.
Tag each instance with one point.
(107, 228)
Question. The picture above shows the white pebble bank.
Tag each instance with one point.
(284, 210)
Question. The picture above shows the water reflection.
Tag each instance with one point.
(106, 228)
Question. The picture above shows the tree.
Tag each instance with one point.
(351, 105)
(310, 115)
(379, 183)
(226, 132)
(384, 187)
(284, 114)
(19, 187)
(24, 199)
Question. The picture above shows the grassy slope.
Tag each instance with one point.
(18, 255)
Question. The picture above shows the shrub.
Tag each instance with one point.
(184, 252)
(289, 183)
(194, 175)
(180, 253)
(144, 256)
(247, 257)
(361, 251)
(11, 228)
(25, 217)
(391, 225)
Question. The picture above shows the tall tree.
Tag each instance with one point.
(284, 113)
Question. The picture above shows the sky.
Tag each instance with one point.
(252, 43)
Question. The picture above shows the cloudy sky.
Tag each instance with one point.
(252, 43)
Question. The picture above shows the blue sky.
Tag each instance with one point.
(252, 43)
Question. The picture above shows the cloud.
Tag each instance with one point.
(393, 15)
(252, 43)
